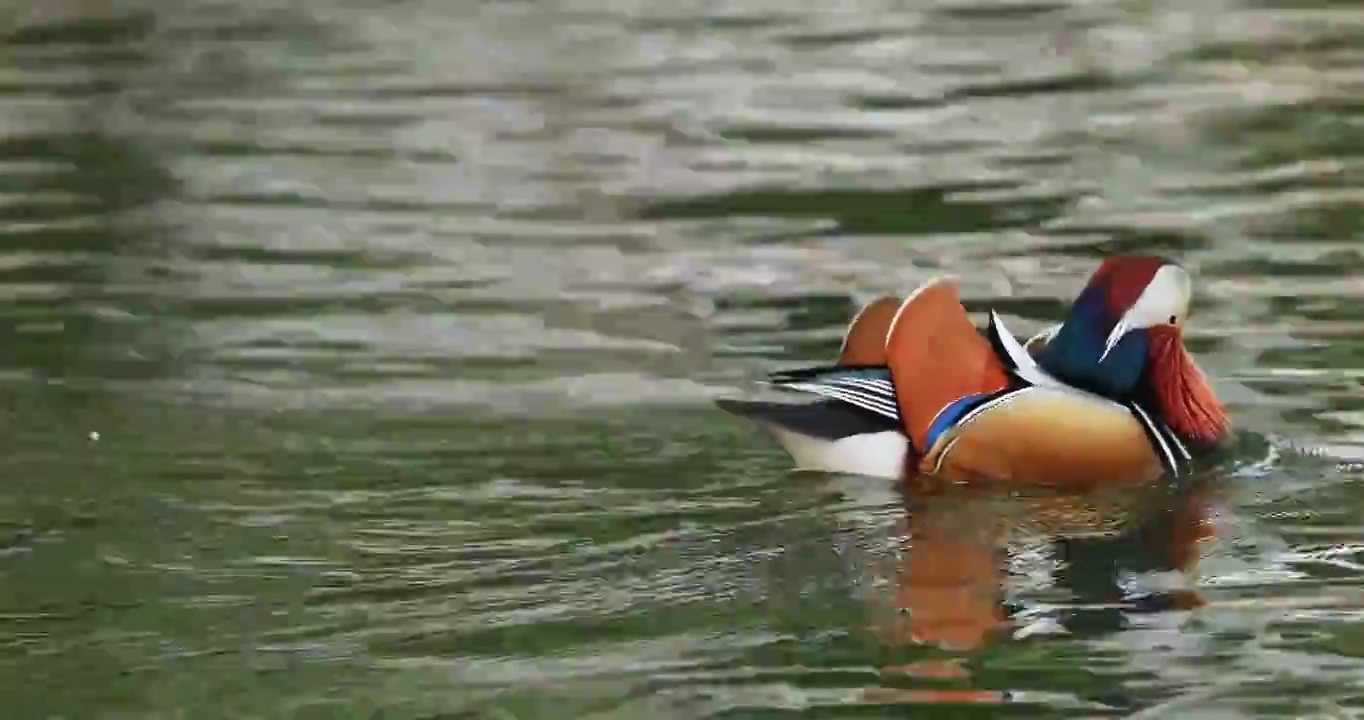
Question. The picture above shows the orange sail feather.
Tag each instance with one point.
(937, 356)
(865, 341)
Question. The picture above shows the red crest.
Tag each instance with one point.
(1124, 278)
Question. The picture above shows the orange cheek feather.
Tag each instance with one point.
(1186, 399)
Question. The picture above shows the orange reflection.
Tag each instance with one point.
(955, 541)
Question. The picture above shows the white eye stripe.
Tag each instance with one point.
(1164, 301)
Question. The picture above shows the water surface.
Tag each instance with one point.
(357, 360)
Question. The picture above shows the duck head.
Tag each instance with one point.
(1123, 339)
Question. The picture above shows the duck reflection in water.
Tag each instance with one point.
(956, 543)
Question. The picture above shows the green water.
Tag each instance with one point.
(356, 358)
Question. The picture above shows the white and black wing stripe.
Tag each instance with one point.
(873, 394)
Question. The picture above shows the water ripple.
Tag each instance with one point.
(360, 361)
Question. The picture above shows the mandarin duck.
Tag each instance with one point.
(1109, 395)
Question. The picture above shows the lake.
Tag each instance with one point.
(357, 359)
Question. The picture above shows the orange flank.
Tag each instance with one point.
(1048, 438)
(936, 356)
(865, 341)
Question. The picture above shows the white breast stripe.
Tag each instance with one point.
(1179, 444)
(1160, 438)
(852, 397)
(936, 415)
(975, 411)
(943, 455)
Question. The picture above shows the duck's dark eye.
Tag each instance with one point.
(1173, 319)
